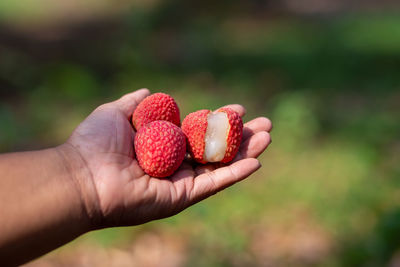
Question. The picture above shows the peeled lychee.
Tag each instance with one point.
(160, 148)
(158, 106)
(213, 136)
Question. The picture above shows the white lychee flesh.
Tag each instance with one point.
(216, 136)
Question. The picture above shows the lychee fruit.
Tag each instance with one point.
(160, 148)
(158, 106)
(213, 136)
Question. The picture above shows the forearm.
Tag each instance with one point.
(41, 206)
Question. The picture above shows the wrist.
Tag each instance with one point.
(82, 180)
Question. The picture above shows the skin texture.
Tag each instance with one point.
(160, 148)
(92, 181)
(195, 127)
(234, 136)
(158, 106)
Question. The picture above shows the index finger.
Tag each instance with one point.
(238, 108)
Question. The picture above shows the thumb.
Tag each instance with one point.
(128, 103)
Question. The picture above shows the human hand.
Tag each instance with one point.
(114, 189)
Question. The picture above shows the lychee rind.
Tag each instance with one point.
(158, 106)
(234, 137)
(160, 148)
(194, 126)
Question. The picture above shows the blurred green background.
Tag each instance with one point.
(326, 73)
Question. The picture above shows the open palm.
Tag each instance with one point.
(122, 194)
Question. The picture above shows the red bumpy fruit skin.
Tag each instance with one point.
(160, 148)
(235, 133)
(158, 106)
(194, 127)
